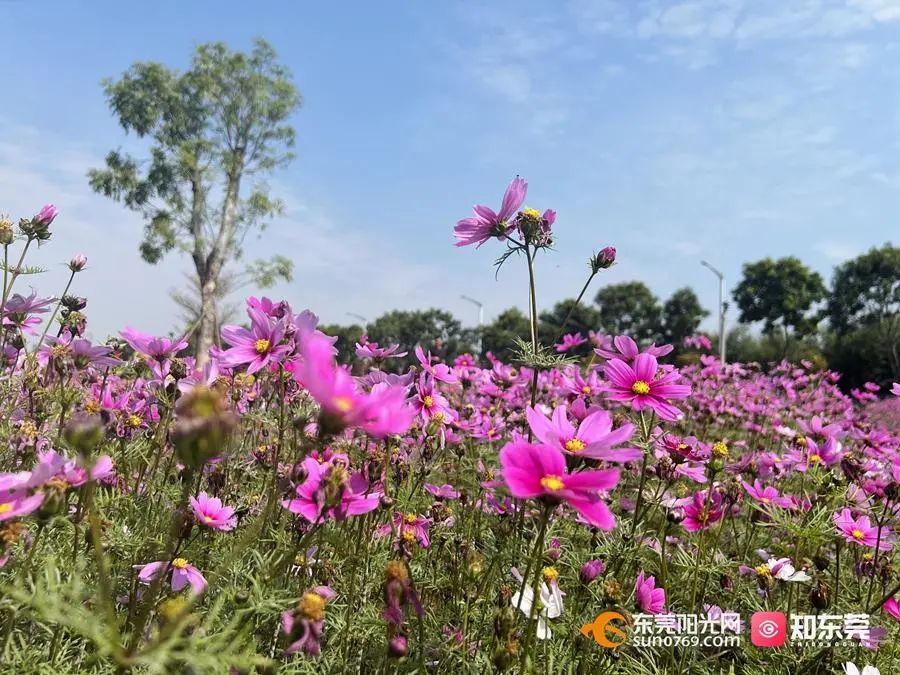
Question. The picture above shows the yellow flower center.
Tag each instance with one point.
(575, 445)
(261, 346)
(764, 571)
(640, 388)
(552, 483)
(410, 518)
(312, 606)
(134, 421)
(765, 500)
(438, 416)
(585, 389)
(815, 459)
(179, 563)
(550, 574)
(207, 519)
(92, 406)
(5, 508)
(409, 535)
(428, 401)
(531, 213)
(720, 449)
(858, 534)
(343, 403)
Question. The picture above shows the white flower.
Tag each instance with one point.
(851, 669)
(782, 568)
(551, 604)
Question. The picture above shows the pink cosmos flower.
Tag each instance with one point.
(533, 471)
(303, 625)
(627, 349)
(767, 495)
(594, 437)
(19, 311)
(183, 573)
(329, 491)
(158, 349)
(256, 347)
(570, 341)
(409, 527)
(210, 512)
(704, 509)
(439, 371)
(486, 223)
(18, 503)
(860, 530)
(445, 491)
(371, 350)
(895, 389)
(649, 598)
(892, 607)
(430, 403)
(381, 412)
(645, 385)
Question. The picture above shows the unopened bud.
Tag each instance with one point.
(398, 646)
(78, 263)
(605, 259)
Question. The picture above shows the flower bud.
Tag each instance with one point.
(591, 570)
(45, 216)
(202, 426)
(6, 231)
(603, 260)
(78, 263)
(820, 596)
(83, 432)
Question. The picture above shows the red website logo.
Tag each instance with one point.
(768, 629)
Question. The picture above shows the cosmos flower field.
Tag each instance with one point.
(265, 509)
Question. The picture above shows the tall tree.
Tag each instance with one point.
(864, 311)
(212, 128)
(780, 293)
(629, 308)
(681, 315)
(499, 336)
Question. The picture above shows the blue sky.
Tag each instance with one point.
(720, 129)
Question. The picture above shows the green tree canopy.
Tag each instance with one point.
(865, 290)
(500, 335)
(629, 308)
(434, 329)
(681, 316)
(583, 318)
(211, 128)
(779, 293)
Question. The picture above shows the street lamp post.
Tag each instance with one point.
(722, 307)
(480, 307)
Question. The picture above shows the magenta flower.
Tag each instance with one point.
(570, 341)
(430, 403)
(767, 495)
(371, 350)
(704, 509)
(859, 530)
(78, 263)
(158, 349)
(892, 607)
(649, 598)
(409, 527)
(445, 491)
(594, 437)
(183, 573)
(439, 371)
(329, 491)
(383, 411)
(210, 512)
(627, 349)
(485, 223)
(605, 259)
(539, 471)
(895, 389)
(645, 385)
(19, 311)
(256, 347)
(303, 626)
